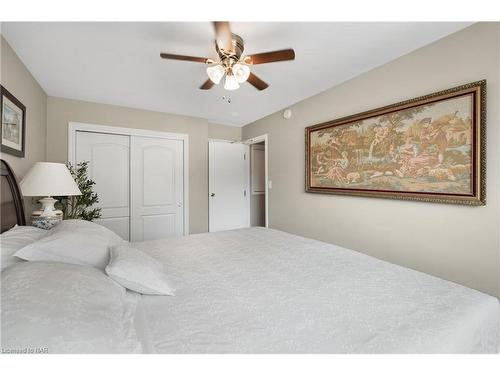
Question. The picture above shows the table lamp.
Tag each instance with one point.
(45, 180)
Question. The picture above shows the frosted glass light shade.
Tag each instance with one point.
(241, 72)
(46, 179)
(215, 73)
(231, 82)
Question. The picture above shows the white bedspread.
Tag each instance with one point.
(264, 291)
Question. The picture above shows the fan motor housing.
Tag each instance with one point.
(238, 48)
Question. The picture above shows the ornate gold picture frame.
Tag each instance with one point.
(431, 148)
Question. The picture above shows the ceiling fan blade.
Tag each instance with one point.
(223, 36)
(171, 56)
(257, 82)
(207, 85)
(269, 57)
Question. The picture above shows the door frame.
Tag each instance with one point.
(247, 174)
(74, 127)
(263, 138)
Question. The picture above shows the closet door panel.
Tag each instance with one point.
(119, 225)
(109, 166)
(159, 176)
(155, 227)
(158, 188)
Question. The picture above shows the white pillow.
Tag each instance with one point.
(137, 271)
(66, 308)
(16, 238)
(73, 241)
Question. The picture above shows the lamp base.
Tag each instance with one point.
(45, 222)
(48, 209)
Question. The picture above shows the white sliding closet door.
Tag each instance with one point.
(108, 157)
(157, 184)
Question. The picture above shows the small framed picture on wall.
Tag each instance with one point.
(13, 114)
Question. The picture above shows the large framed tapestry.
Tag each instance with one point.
(430, 148)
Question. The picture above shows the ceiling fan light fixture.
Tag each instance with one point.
(231, 82)
(215, 73)
(241, 72)
(231, 62)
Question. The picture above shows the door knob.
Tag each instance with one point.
(212, 194)
(179, 204)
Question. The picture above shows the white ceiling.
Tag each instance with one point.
(119, 63)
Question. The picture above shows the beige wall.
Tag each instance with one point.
(218, 131)
(61, 111)
(457, 243)
(19, 81)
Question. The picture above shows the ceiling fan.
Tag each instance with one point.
(232, 63)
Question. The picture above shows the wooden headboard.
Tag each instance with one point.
(12, 205)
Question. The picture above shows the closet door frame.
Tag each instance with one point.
(74, 127)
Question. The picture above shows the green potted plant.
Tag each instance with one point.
(80, 206)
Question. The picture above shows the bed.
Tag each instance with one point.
(254, 290)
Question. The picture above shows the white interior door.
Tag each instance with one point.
(158, 188)
(228, 186)
(108, 157)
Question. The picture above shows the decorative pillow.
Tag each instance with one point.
(15, 239)
(73, 241)
(137, 271)
(66, 308)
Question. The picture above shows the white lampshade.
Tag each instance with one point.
(48, 179)
(241, 72)
(215, 73)
(231, 83)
